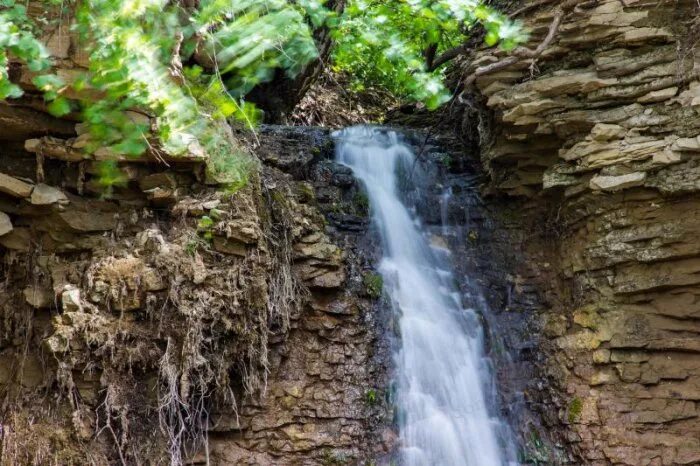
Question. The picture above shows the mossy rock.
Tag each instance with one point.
(374, 284)
(305, 192)
(361, 202)
(575, 409)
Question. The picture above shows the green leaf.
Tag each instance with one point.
(109, 174)
(48, 82)
(205, 223)
(383, 44)
(59, 107)
(9, 90)
(491, 38)
(131, 147)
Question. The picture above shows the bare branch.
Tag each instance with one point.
(448, 55)
(477, 35)
(519, 53)
(525, 53)
(429, 55)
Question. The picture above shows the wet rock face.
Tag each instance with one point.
(326, 400)
(599, 147)
(499, 270)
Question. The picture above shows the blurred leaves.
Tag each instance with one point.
(137, 48)
(187, 70)
(17, 39)
(385, 43)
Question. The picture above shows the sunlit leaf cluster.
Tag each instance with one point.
(166, 76)
(227, 46)
(385, 42)
(187, 69)
(18, 40)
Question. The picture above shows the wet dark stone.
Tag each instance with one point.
(348, 222)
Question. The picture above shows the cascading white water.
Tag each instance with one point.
(444, 417)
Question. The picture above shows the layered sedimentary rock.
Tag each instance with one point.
(167, 303)
(325, 401)
(146, 307)
(597, 142)
(108, 302)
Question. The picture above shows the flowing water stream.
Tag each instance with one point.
(445, 413)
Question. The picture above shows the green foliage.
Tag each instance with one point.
(374, 284)
(136, 53)
(250, 39)
(385, 43)
(137, 50)
(575, 409)
(17, 39)
(109, 176)
(205, 226)
(188, 69)
(361, 201)
(446, 160)
(371, 397)
(228, 164)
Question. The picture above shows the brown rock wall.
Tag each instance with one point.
(139, 319)
(127, 316)
(600, 136)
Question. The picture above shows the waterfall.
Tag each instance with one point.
(445, 417)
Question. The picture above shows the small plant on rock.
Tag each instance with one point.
(361, 201)
(374, 284)
(205, 225)
(575, 408)
(371, 397)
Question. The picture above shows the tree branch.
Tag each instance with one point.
(429, 55)
(524, 53)
(521, 52)
(448, 55)
(477, 35)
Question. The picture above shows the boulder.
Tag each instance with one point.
(38, 297)
(5, 224)
(605, 132)
(19, 239)
(71, 300)
(89, 221)
(14, 187)
(616, 183)
(229, 246)
(46, 195)
(687, 144)
(163, 180)
(658, 96)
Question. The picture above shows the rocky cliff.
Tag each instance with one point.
(140, 321)
(596, 143)
(153, 315)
